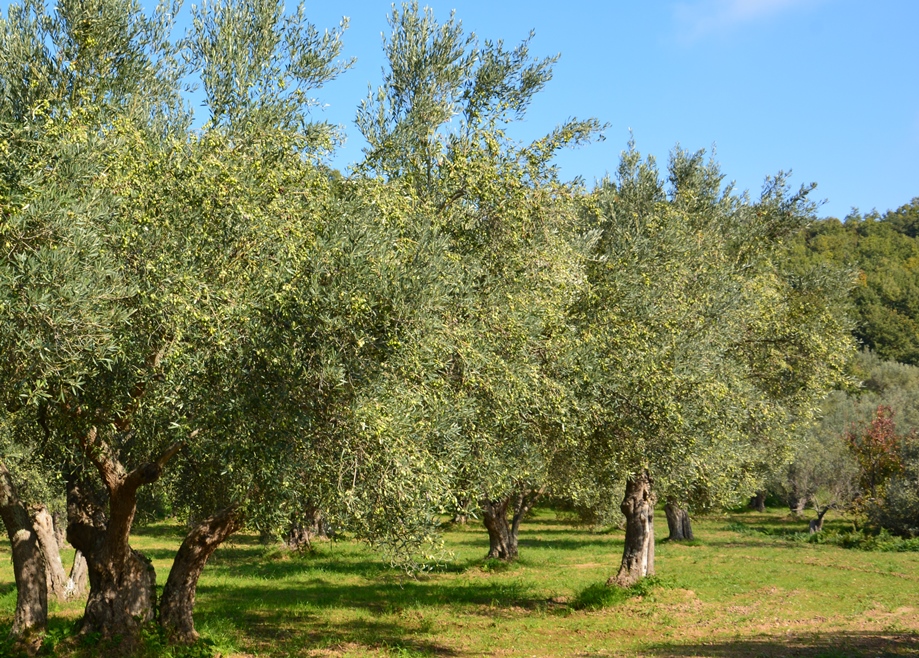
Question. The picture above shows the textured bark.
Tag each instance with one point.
(122, 592)
(79, 577)
(502, 543)
(502, 535)
(54, 568)
(178, 600)
(31, 615)
(758, 502)
(638, 554)
(678, 522)
(122, 582)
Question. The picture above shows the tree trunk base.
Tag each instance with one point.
(178, 600)
(678, 523)
(502, 539)
(638, 554)
(121, 600)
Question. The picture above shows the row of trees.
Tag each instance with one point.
(860, 456)
(216, 313)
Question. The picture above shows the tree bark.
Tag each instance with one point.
(122, 593)
(758, 502)
(305, 527)
(122, 582)
(79, 577)
(638, 554)
(178, 600)
(796, 504)
(816, 525)
(502, 535)
(31, 615)
(503, 543)
(678, 522)
(54, 567)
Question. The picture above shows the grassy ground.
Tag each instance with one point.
(743, 589)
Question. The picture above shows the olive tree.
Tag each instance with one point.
(699, 354)
(116, 295)
(438, 129)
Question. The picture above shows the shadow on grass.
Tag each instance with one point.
(374, 634)
(853, 644)
(287, 620)
(377, 598)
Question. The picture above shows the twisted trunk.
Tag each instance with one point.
(54, 568)
(122, 592)
(307, 526)
(816, 525)
(122, 582)
(678, 522)
(503, 544)
(28, 562)
(502, 535)
(758, 501)
(178, 600)
(638, 554)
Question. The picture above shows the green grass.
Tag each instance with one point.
(746, 587)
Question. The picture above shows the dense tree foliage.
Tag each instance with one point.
(884, 250)
(215, 312)
(437, 130)
(833, 467)
(702, 354)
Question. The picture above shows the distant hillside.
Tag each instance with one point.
(884, 250)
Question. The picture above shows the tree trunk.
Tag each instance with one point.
(305, 527)
(503, 542)
(79, 577)
(678, 522)
(816, 525)
(638, 554)
(461, 512)
(758, 502)
(54, 567)
(178, 600)
(797, 504)
(122, 582)
(31, 615)
(503, 535)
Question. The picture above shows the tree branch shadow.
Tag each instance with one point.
(842, 644)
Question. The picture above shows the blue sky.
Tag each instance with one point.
(826, 88)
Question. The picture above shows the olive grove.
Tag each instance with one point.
(212, 311)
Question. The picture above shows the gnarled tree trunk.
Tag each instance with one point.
(79, 577)
(503, 544)
(758, 502)
(502, 535)
(28, 562)
(638, 554)
(54, 567)
(122, 582)
(678, 522)
(306, 527)
(178, 600)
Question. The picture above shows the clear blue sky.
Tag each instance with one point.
(826, 88)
